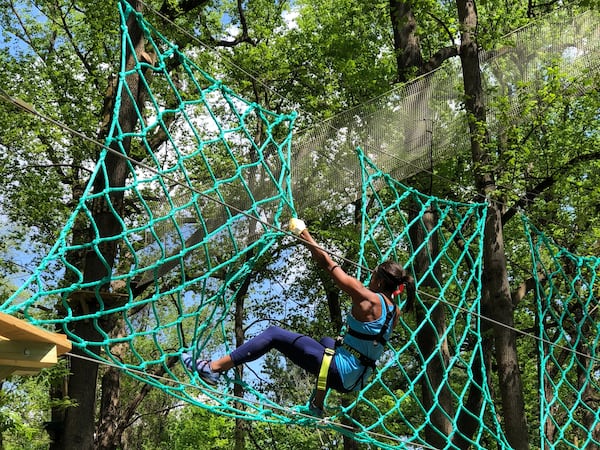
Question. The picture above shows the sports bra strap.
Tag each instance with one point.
(379, 337)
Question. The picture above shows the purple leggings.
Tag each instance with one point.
(302, 350)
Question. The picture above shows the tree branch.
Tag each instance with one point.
(520, 292)
(76, 48)
(57, 165)
(439, 57)
(182, 7)
(545, 184)
(25, 37)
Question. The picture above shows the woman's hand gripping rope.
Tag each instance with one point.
(296, 226)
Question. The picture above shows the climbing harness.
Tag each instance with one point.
(365, 361)
(324, 371)
(379, 337)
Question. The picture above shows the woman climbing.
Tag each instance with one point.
(346, 363)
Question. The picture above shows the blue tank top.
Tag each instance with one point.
(352, 372)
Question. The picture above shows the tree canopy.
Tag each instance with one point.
(321, 59)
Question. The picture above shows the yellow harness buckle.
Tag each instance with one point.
(324, 371)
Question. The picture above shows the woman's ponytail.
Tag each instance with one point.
(411, 292)
(396, 281)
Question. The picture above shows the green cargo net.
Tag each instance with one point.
(567, 293)
(195, 216)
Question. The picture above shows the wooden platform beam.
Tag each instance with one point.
(25, 348)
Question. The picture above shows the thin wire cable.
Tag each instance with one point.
(30, 109)
(286, 410)
(511, 328)
(328, 121)
(255, 78)
(26, 107)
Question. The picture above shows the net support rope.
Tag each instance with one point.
(567, 293)
(207, 205)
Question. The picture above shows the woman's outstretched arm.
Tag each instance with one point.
(352, 286)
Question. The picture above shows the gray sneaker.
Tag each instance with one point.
(202, 367)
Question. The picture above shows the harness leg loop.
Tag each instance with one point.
(324, 371)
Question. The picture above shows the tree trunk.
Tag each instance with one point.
(59, 391)
(439, 407)
(109, 406)
(406, 42)
(108, 431)
(468, 419)
(549, 371)
(496, 290)
(77, 431)
(337, 321)
(409, 62)
(238, 390)
(468, 422)
(590, 398)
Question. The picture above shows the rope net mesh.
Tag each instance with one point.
(171, 247)
(568, 327)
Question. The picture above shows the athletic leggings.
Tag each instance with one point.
(302, 350)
